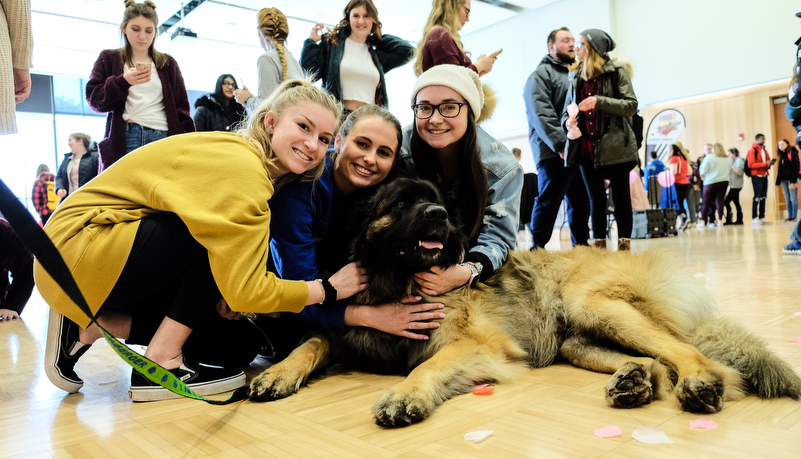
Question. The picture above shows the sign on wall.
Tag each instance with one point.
(663, 131)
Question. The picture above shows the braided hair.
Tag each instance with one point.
(273, 25)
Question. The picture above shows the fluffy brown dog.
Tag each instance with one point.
(635, 316)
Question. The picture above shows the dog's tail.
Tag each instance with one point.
(731, 344)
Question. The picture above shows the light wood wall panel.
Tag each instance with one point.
(720, 118)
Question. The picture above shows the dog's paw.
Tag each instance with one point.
(702, 394)
(398, 409)
(272, 385)
(630, 386)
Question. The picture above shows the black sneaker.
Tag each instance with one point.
(201, 379)
(62, 351)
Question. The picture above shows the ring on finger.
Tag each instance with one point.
(410, 326)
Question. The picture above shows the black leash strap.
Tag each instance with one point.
(48, 256)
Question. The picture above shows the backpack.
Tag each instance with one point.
(52, 197)
(746, 169)
(637, 123)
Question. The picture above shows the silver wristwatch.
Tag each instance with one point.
(475, 270)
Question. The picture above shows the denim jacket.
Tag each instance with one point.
(504, 184)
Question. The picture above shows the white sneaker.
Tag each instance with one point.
(765, 222)
(699, 225)
(756, 222)
(711, 224)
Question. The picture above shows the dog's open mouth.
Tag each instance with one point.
(427, 245)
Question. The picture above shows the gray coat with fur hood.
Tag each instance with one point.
(615, 141)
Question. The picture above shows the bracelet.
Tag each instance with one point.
(322, 291)
(329, 291)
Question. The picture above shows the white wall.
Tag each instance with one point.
(685, 48)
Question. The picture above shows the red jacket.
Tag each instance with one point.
(758, 167)
(39, 193)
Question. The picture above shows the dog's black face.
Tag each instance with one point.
(407, 231)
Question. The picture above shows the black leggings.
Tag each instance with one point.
(733, 196)
(167, 274)
(681, 194)
(618, 176)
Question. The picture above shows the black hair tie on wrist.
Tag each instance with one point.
(330, 291)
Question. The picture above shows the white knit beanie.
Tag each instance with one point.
(460, 79)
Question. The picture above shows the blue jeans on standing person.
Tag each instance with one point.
(137, 136)
(557, 182)
(790, 199)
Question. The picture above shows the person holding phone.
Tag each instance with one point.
(759, 162)
(354, 57)
(441, 43)
(141, 89)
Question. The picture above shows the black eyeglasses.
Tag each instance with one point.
(225, 83)
(447, 110)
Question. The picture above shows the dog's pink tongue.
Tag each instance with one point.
(430, 245)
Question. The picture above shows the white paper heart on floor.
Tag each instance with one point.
(651, 435)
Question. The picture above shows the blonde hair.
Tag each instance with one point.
(445, 14)
(717, 150)
(85, 138)
(287, 94)
(794, 79)
(148, 11)
(273, 25)
(592, 66)
(372, 13)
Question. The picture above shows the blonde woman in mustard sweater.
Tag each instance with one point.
(182, 230)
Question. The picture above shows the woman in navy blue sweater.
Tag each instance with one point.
(364, 155)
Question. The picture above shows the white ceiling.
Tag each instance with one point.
(69, 34)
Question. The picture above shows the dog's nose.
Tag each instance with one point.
(435, 212)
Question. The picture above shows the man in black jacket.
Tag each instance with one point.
(544, 95)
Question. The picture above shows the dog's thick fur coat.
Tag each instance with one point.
(635, 316)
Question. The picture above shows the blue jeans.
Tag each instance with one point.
(137, 136)
(557, 182)
(760, 196)
(790, 199)
(796, 234)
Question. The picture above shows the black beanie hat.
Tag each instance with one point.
(600, 41)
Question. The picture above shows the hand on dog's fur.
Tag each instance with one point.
(438, 281)
(349, 280)
(402, 319)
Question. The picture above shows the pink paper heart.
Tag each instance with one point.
(797, 340)
(797, 313)
(606, 432)
(703, 423)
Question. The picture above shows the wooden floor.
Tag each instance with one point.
(549, 412)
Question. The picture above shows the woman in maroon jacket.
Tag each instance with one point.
(141, 89)
(441, 43)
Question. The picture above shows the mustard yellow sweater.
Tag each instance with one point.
(219, 187)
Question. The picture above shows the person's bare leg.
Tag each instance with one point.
(166, 346)
(116, 323)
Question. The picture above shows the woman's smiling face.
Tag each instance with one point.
(300, 137)
(438, 131)
(366, 155)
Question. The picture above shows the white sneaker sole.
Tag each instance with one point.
(156, 393)
(53, 339)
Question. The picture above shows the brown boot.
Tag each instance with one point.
(624, 244)
(599, 244)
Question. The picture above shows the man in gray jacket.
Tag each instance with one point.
(544, 95)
